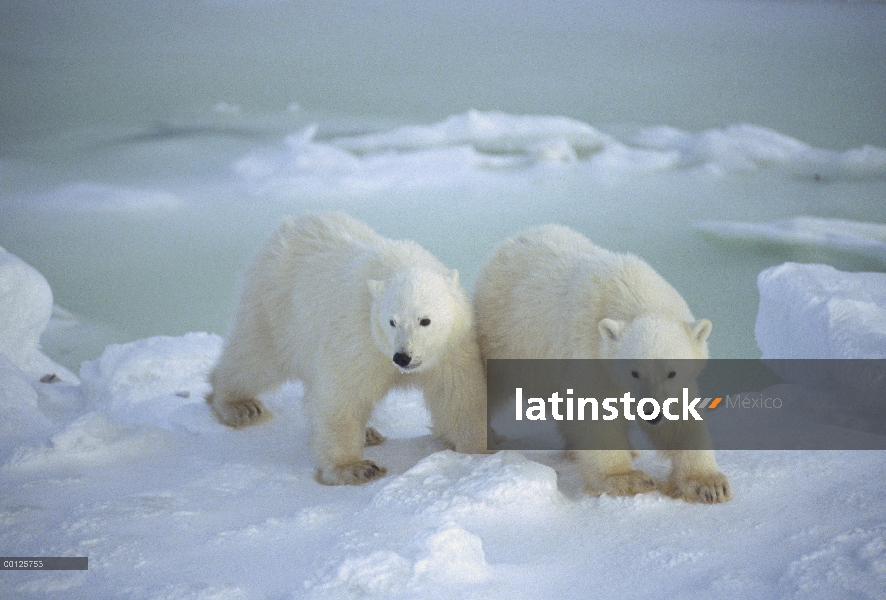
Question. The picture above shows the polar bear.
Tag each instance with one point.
(351, 314)
(550, 293)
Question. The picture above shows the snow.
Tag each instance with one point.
(454, 124)
(130, 468)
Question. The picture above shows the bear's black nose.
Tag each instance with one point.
(402, 359)
(649, 412)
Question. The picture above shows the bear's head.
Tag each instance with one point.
(656, 357)
(414, 315)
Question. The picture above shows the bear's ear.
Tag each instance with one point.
(610, 329)
(376, 288)
(453, 276)
(700, 331)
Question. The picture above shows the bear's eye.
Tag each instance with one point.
(392, 323)
(672, 374)
(425, 322)
(635, 375)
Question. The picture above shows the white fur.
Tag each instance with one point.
(318, 304)
(550, 293)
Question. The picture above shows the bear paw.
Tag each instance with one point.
(354, 474)
(623, 484)
(707, 488)
(240, 413)
(373, 437)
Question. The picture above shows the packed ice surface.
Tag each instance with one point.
(130, 468)
(816, 311)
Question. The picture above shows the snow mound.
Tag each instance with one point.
(422, 535)
(25, 311)
(158, 381)
(447, 484)
(816, 311)
(19, 408)
(838, 234)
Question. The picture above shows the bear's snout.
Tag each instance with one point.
(648, 413)
(401, 359)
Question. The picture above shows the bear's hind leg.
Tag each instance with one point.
(373, 437)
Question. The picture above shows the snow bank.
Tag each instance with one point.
(868, 239)
(816, 311)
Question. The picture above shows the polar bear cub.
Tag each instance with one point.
(330, 302)
(550, 293)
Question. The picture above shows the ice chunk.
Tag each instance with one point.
(449, 484)
(25, 308)
(491, 132)
(816, 311)
(838, 234)
(744, 147)
(25, 311)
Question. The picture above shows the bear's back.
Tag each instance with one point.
(626, 287)
(324, 232)
(544, 291)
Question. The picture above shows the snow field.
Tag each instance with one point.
(130, 468)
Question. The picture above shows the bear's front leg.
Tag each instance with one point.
(339, 434)
(695, 478)
(694, 474)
